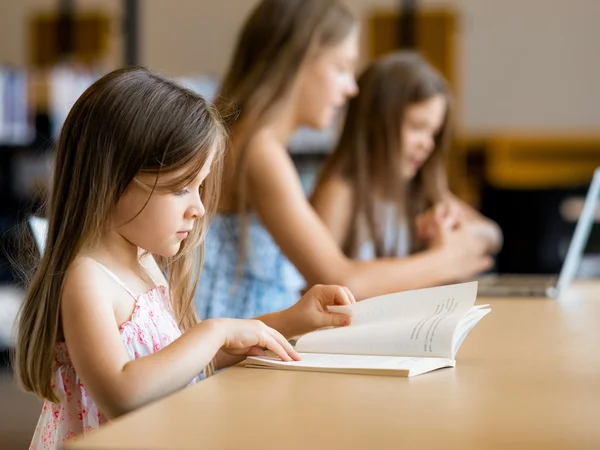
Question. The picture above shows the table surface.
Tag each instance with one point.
(527, 376)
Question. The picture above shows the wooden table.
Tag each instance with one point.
(528, 376)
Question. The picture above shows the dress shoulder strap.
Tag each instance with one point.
(118, 280)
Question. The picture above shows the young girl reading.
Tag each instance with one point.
(383, 192)
(101, 331)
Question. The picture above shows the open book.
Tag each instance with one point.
(403, 334)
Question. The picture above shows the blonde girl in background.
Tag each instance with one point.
(293, 66)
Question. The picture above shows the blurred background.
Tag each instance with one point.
(525, 74)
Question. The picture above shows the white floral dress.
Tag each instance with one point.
(150, 328)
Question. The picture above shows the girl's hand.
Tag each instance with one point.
(446, 214)
(252, 338)
(310, 312)
(465, 254)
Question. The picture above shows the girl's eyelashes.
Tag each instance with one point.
(187, 191)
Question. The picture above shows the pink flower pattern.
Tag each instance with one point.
(150, 328)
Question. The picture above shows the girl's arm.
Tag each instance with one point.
(332, 201)
(118, 384)
(279, 199)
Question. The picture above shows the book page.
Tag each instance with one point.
(424, 330)
(466, 324)
(417, 303)
(427, 336)
(348, 363)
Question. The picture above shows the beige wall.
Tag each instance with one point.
(525, 64)
(183, 37)
(531, 64)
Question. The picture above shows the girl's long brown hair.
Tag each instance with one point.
(368, 154)
(275, 42)
(129, 122)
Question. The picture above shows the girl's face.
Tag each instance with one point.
(422, 122)
(160, 223)
(325, 83)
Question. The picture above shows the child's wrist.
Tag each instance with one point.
(282, 321)
(217, 328)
